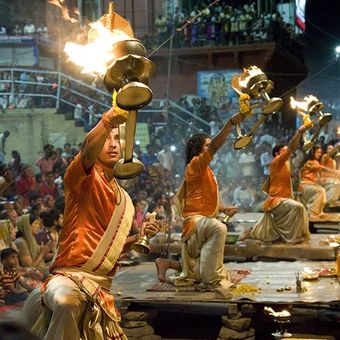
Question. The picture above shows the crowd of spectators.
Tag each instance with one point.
(28, 29)
(31, 196)
(222, 24)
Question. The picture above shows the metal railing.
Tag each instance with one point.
(65, 92)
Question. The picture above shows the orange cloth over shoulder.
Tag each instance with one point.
(280, 182)
(310, 171)
(328, 162)
(90, 203)
(201, 194)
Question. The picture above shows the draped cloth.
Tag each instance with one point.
(28, 242)
(329, 181)
(332, 187)
(203, 236)
(5, 234)
(202, 254)
(284, 218)
(84, 291)
(314, 196)
(24, 227)
(288, 221)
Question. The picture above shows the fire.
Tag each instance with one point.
(96, 56)
(305, 105)
(247, 74)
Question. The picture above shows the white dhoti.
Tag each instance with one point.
(288, 222)
(203, 253)
(69, 313)
(332, 187)
(314, 196)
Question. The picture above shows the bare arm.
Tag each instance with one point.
(227, 209)
(219, 139)
(294, 142)
(95, 139)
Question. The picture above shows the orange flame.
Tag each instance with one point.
(247, 74)
(96, 56)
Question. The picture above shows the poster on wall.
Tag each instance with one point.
(216, 87)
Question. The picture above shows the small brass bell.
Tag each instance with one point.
(142, 246)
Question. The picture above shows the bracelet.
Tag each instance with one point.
(108, 125)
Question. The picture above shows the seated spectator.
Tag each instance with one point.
(67, 151)
(29, 28)
(19, 205)
(3, 30)
(7, 188)
(149, 157)
(15, 163)
(48, 160)
(3, 138)
(47, 186)
(15, 286)
(7, 235)
(26, 183)
(29, 252)
(52, 223)
(48, 201)
(244, 197)
(17, 30)
(9, 213)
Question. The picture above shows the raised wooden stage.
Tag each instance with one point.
(315, 312)
(314, 249)
(183, 315)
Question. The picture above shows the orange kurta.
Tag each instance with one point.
(89, 205)
(311, 171)
(201, 194)
(328, 162)
(280, 184)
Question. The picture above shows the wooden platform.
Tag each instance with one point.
(314, 249)
(131, 283)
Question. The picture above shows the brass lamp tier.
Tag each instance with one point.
(256, 84)
(129, 74)
(309, 108)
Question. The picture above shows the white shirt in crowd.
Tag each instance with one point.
(166, 159)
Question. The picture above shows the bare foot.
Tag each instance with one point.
(318, 216)
(245, 235)
(162, 265)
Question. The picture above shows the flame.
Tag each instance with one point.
(96, 56)
(247, 74)
(305, 105)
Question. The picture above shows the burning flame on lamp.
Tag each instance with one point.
(303, 107)
(247, 74)
(96, 56)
